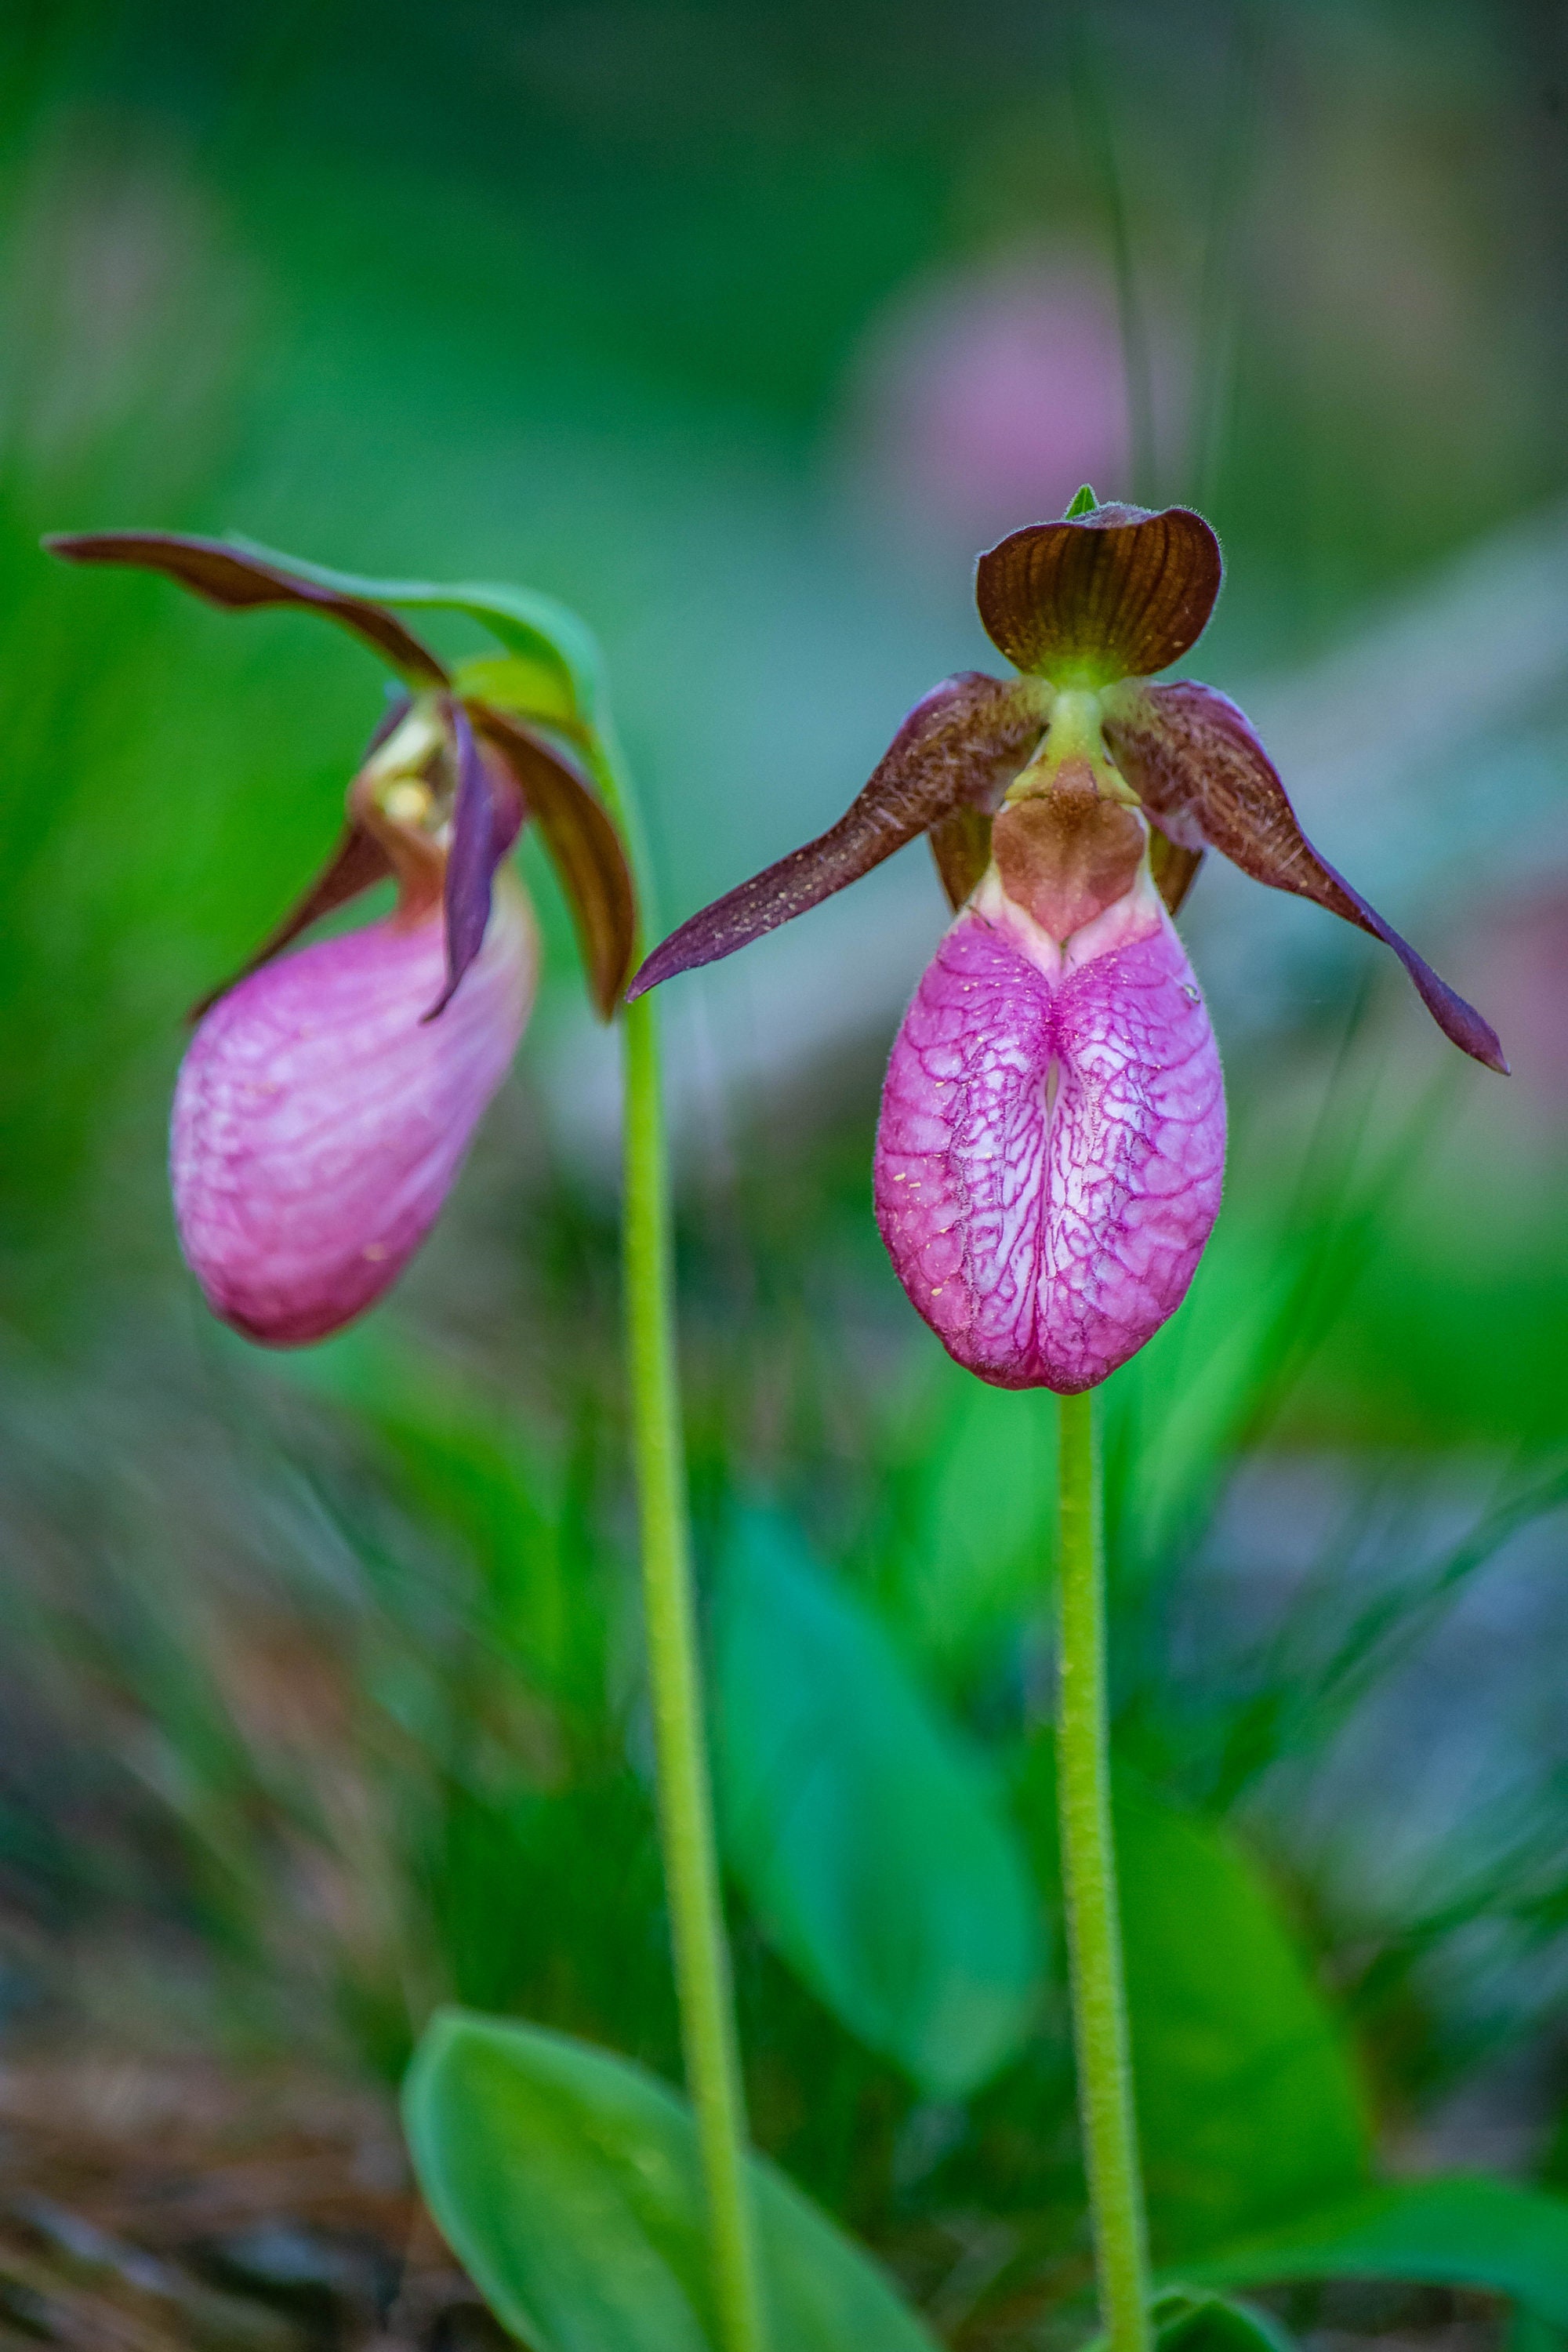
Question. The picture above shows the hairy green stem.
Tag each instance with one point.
(1088, 1878)
(675, 1679)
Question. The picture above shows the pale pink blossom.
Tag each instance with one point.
(321, 1118)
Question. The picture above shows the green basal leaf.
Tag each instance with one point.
(533, 627)
(1249, 2105)
(1083, 503)
(567, 2182)
(870, 1838)
(1458, 2232)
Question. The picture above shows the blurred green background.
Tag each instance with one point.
(741, 329)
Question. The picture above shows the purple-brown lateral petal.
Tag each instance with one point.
(1203, 775)
(235, 580)
(487, 816)
(1119, 593)
(585, 849)
(959, 749)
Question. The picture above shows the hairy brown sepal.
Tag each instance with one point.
(1205, 778)
(585, 849)
(236, 580)
(959, 749)
(1118, 592)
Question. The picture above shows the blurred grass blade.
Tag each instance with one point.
(567, 2181)
(1464, 2232)
(1249, 2105)
(869, 1839)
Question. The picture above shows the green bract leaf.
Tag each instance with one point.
(1249, 2105)
(1463, 2231)
(239, 574)
(868, 1837)
(530, 690)
(1195, 2319)
(533, 627)
(567, 2182)
(238, 577)
(1083, 503)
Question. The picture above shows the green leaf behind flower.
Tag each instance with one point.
(870, 1838)
(1249, 2105)
(1459, 2230)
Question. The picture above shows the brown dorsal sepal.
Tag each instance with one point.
(1116, 592)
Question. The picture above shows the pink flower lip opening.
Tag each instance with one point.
(1051, 1148)
(320, 1119)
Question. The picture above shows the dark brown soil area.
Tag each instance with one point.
(146, 2206)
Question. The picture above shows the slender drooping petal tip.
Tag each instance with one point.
(1044, 1237)
(1198, 767)
(320, 1121)
(1118, 591)
(958, 750)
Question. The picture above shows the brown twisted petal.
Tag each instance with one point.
(961, 844)
(1201, 773)
(1119, 593)
(1174, 869)
(236, 580)
(958, 750)
(585, 849)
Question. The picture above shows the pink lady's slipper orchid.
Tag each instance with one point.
(327, 1100)
(1052, 1139)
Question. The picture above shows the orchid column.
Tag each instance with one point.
(327, 1101)
(1051, 1149)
